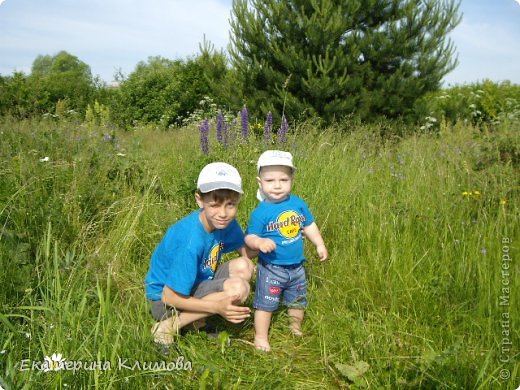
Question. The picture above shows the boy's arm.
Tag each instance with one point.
(265, 245)
(223, 307)
(313, 233)
(246, 251)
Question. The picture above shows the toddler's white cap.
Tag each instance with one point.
(218, 176)
(275, 157)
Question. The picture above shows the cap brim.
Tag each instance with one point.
(220, 186)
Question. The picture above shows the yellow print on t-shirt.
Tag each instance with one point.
(213, 258)
(288, 224)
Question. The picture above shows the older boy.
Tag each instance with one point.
(186, 281)
(275, 229)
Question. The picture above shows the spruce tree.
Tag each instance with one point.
(333, 58)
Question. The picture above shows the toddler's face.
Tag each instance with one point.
(275, 182)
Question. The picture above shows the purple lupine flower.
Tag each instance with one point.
(226, 135)
(244, 116)
(282, 131)
(268, 128)
(204, 131)
(220, 127)
(233, 132)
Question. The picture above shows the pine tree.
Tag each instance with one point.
(334, 58)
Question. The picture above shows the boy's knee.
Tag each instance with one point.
(237, 286)
(243, 268)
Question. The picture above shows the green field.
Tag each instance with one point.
(420, 289)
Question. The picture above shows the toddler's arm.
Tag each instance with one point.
(265, 245)
(313, 233)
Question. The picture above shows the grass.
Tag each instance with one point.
(416, 229)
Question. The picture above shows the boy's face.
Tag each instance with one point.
(275, 182)
(216, 214)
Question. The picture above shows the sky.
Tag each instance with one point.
(115, 35)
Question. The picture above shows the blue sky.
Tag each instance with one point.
(110, 35)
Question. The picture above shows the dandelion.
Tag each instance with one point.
(220, 127)
(204, 131)
(466, 193)
(503, 202)
(244, 117)
(282, 131)
(477, 193)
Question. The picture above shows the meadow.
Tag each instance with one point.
(420, 289)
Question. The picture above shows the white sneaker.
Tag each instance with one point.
(164, 331)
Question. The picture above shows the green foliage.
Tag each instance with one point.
(62, 77)
(408, 299)
(160, 91)
(97, 115)
(58, 85)
(336, 58)
(479, 103)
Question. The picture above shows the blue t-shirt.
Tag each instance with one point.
(282, 222)
(188, 255)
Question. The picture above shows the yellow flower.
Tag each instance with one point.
(503, 202)
(466, 193)
(476, 192)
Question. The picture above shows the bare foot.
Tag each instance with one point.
(262, 345)
(164, 331)
(295, 330)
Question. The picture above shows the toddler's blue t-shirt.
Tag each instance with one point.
(282, 222)
(188, 255)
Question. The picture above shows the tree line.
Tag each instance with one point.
(301, 58)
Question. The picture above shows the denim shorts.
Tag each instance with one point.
(160, 310)
(274, 282)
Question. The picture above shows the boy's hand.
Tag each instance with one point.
(322, 252)
(266, 245)
(231, 312)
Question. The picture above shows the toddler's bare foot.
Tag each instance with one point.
(262, 345)
(295, 330)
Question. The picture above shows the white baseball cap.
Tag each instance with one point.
(218, 176)
(275, 157)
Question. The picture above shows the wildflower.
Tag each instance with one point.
(54, 363)
(220, 127)
(476, 193)
(244, 116)
(503, 202)
(45, 159)
(466, 193)
(27, 335)
(120, 154)
(483, 251)
(204, 130)
(233, 132)
(226, 135)
(282, 131)
(268, 128)
(457, 241)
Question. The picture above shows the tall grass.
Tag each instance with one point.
(410, 297)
